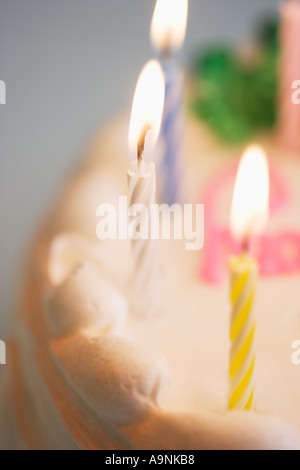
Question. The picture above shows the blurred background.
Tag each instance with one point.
(69, 65)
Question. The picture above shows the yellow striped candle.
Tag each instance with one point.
(244, 271)
(249, 215)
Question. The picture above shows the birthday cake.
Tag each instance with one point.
(86, 373)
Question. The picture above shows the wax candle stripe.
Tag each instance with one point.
(145, 258)
(249, 403)
(172, 134)
(236, 374)
(171, 109)
(146, 115)
(238, 286)
(237, 398)
(143, 284)
(167, 33)
(145, 291)
(242, 332)
(240, 315)
(239, 341)
(240, 356)
(240, 381)
(242, 385)
(142, 192)
(248, 215)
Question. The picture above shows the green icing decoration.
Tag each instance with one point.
(237, 100)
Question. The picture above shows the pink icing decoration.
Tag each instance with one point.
(277, 254)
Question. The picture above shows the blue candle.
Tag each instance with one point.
(172, 135)
(167, 33)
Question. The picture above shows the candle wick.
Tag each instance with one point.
(166, 54)
(141, 143)
(246, 244)
(166, 50)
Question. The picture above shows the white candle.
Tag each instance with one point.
(146, 298)
(145, 121)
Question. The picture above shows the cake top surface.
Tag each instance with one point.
(169, 372)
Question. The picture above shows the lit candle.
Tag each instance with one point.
(145, 121)
(289, 72)
(249, 215)
(168, 30)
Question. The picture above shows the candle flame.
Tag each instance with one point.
(148, 104)
(169, 23)
(250, 206)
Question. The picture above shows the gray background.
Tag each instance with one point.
(68, 66)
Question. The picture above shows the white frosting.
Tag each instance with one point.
(118, 379)
(44, 424)
(76, 209)
(211, 431)
(10, 439)
(86, 300)
(68, 249)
